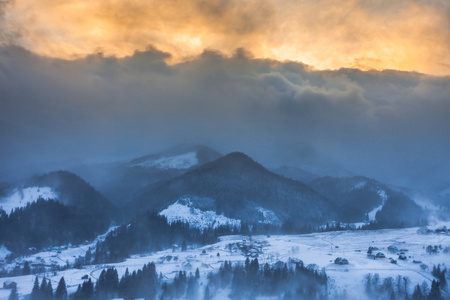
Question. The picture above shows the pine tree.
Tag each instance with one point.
(417, 295)
(77, 294)
(49, 290)
(87, 289)
(392, 297)
(207, 295)
(184, 246)
(247, 264)
(88, 257)
(13, 295)
(35, 293)
(192, 288)
(61, 290)
(197, 273)
(26, 269)
(43, 289)
(435, 292)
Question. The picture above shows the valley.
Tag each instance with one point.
(320, 249)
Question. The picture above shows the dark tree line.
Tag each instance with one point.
(390, 288)
(45, 290)
(139, 284)
(252, 280)
(245, 282)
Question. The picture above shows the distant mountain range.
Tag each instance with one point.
(357, 198)
(200, 186)
(240, 188)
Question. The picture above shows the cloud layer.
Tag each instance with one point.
(384, 34)
(390, 125)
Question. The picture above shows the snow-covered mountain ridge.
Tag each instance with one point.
(183, 161)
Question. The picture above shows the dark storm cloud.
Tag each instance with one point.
(389, 125)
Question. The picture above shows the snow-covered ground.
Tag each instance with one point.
(183, 161)
(317, 248)
(184, 212)
(21, 197)
(56, 256)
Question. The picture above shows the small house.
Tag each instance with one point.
(9, 284)
(341, 261)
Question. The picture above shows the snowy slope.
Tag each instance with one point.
(183, 211)
(183, 161)
(57, 256)
(21, 197)
(269, 217)
(4, 252)
(373, 212)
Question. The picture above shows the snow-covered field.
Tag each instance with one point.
(317, 248)
(21, 197)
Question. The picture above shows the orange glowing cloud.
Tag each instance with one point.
(383, 34)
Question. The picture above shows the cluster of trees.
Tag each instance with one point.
(440, 274)
(146, 232)
(44, 291)
(390, 288)
(42, 224)
(252, 280)
(245, 282)
(182, 287)
(139, 284)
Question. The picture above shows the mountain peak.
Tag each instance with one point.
(235, 161)
(179, 157)
(238, 156)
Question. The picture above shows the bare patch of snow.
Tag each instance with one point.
(269, 216)
(183, 211)
(183, 161)
(21, 197)
(359, 185)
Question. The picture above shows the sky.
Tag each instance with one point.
(344, 87)
(410, 35)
